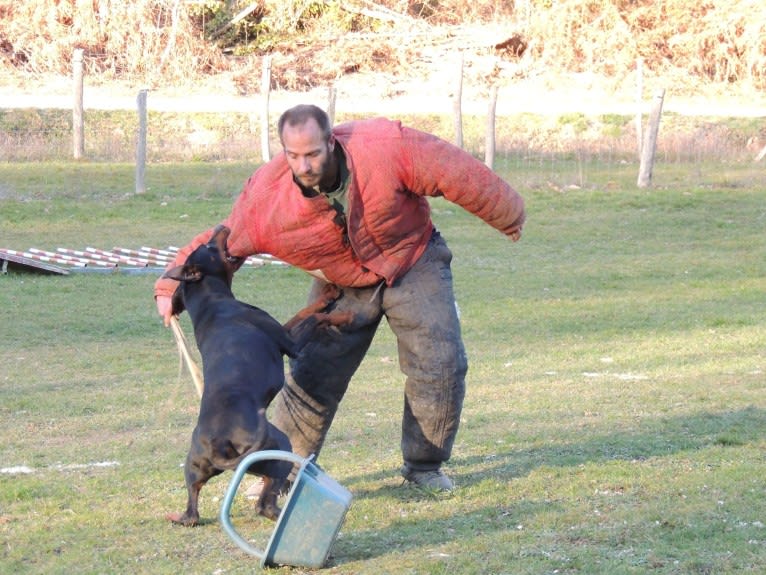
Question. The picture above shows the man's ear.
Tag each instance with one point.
(184, 273)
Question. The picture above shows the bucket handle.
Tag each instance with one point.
(239, 473)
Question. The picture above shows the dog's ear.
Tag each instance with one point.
(177, 301)
(184, 273)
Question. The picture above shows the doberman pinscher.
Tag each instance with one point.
(242, 350)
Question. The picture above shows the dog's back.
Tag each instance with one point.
(243, 371)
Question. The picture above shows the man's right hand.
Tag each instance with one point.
(165, 308)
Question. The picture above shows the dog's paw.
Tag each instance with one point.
(335, 319)
(339, 318)
(268, 511)
(182, 519)
(330, 293)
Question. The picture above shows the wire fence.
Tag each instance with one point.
(562, 149)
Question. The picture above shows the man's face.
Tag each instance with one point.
(308, 154)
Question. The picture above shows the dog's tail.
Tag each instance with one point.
(222, 461)
(227, 455)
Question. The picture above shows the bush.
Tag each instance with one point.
(169, 42)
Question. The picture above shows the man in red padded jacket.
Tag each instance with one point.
(349, 206)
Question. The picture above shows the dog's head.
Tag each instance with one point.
(208, 260)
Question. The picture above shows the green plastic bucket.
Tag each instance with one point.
(311, 516)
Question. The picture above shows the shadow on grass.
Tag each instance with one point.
(656, 438)
(417, 533)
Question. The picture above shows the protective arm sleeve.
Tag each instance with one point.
(441, 169)
(238, 245)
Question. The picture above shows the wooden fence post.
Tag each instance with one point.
(650, 141)
(489, 148)
(141, 144)
(332, 95)
(639, 104)
(266, 92)
(457, 105)
(78, 127)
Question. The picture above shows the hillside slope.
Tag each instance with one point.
(391, 55)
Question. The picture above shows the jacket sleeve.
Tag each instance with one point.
(238, 244)
(442, 169)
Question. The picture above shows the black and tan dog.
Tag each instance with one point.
(242, 350)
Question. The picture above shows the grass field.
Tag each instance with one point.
(615, 419)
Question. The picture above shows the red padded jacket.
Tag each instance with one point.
(392, 170)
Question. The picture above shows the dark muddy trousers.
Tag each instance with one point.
(420, 308)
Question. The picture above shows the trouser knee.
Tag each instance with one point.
(320, 375)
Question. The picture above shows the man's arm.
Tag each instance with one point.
(442, 169)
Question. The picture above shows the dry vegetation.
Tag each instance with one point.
(313, 42)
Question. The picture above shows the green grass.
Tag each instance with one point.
(614, 420)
